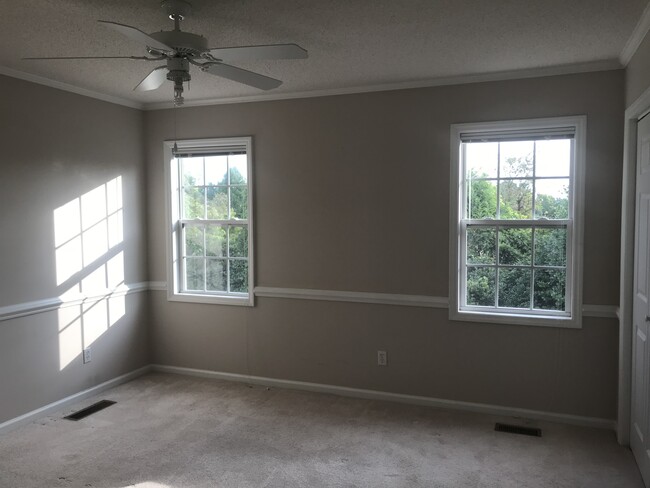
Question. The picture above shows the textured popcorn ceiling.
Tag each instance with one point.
(351, 43)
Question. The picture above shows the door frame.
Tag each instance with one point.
(637, 109)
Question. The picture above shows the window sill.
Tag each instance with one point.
(515, 319)
(242, 301)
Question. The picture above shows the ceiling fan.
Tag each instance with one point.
(181, 49)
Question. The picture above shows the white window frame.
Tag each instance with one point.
(174, 222)
(457, 310)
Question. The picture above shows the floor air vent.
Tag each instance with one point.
(518, 429)
(85, 412)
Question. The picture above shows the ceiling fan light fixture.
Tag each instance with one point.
(178, 72)
(182, 49)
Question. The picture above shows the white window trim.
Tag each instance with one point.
(172, 221)
(574, 263)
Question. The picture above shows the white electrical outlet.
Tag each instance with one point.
(382, 358)
(87, 355)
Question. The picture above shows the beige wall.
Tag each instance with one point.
(637, 73)
(352, 194)
(56, 147)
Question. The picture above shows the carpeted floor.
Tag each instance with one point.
(169, 431)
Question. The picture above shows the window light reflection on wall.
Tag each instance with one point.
(88, 240)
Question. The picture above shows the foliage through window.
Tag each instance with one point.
(212, 217)
(517, 216)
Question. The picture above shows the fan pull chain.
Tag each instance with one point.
(175, 148)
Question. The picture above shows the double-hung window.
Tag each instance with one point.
(210, 245)
(516, 223)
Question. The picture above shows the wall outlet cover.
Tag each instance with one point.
(382, 358)
(87, 355)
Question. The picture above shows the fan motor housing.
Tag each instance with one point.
(178, 69)
(183, 42)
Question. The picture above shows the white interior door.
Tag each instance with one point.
(640, 434)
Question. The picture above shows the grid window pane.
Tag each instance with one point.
(194, 241)
(239, 202)
(238, 242)
(217, 199)
(515, 199)
(514, 287)
(215, 241)
(552, 198)
(481, 245)
(550, 247)
(238, 169)
(217, 275)
(550, 288)
(193, 202)
(216, 170)
(192, 171)
(516, 159)
(516, 246)
(553, 157)
(482, 159)
(482, 199)
(195, 274)
(480, 286)
(238, 275)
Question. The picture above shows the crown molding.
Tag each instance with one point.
(564, 69)
(635, 40)
(40, 80)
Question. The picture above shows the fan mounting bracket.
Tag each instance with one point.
(176, 9)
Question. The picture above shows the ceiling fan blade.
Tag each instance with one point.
(270, 51)
(91, 57)
(242, 76)
(153, 80)
(137, 35)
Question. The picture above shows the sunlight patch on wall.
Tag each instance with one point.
(95, 321)
(88, 236)
(70, 335)
(67, 240)
(86, 228)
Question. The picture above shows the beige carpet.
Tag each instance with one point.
(169, 431)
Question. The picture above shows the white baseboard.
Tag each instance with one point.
(314, 387)
(64, 402)
(395, 397)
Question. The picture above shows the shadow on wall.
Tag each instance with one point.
(88, 240)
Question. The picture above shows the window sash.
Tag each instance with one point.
(227, 258)
(228, 186)
(518, 224)
(534, 178)
(498, 223)
(202, 149)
